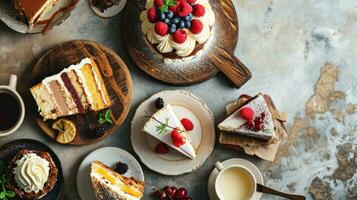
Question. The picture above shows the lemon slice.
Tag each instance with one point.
(67, 131)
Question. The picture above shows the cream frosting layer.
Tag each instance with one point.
(166, 44)
(31, 172)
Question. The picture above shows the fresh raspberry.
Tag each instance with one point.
(175, 135)
(152, 15)
(173, 8)
(158, 3)
(196, 26)
(180, 36)
(198, 10)
(187, 124)
(247, 113)
(190, 1)
(249, 125)
(162, 148)
(184, 9)
(161, 28)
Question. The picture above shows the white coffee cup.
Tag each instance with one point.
(11, 89)
(234, 182)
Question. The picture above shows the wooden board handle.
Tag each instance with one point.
(232, 67)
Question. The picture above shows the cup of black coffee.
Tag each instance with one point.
(12, 108)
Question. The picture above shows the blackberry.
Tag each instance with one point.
(121, 168)
(159, 103)
(98, 131)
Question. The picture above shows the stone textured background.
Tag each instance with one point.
(302, 53)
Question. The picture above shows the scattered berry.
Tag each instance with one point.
(187, 198)
(181, 193)
(162, 148)
(187, 124)
(198, 10)
(152, 15)
(196, 26)
(183, 9)
(158, 3)
(121, 168)
(180, 36)
(247, 113)
(160, 194)
(98, 131)
(166, 20)
(161, 28)
(250, 124)
(159, 103)
(169, 191)
(188, 17)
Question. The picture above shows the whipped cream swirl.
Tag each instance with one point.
(166, 44)
(31, 172)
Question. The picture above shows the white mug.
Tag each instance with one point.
(248, 175)
(11, 89)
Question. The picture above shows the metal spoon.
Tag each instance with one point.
(267, 190)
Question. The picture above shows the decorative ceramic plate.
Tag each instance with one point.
(9, 150)
(184, 104)
(108, 156)
(118, 84)
(235, 161)
(109, 12)
(56, 15)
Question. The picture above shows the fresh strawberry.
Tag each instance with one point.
(247, 113)
(196, 26)
(183, 9)
(187, 124)
(158, 3)
(162, 148)
(152, 15)
(161, 28)
(180, 36)
(198, 10)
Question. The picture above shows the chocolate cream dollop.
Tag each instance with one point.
(31, 173)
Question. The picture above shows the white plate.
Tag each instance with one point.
(235, 161)
(8, 16)
(109, 12)
(108, 156)
(184, 104)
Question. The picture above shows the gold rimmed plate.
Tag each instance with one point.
(185, 105)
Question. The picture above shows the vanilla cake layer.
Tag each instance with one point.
(74, 90)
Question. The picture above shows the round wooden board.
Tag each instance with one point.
(218, 55)
(73, 52)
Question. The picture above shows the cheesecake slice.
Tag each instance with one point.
(76, 89)
(108, 184)
(32, 10)
(261, 126)
(168, 118)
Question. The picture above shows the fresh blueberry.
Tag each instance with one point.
(162, 16)
(188, 17)
(158, 11)
(188, 24)
(175, 20)
(173, 28)
(169, 14)
(167, 21)
(181, 24)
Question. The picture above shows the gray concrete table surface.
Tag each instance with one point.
(302, 53)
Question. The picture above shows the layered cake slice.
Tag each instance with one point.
(74, 90)
(32, 10)
(254, 119)
(108, 184)
(165, 126)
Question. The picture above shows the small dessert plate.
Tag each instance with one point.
(9, 150)
(235, 161)
(185, 105)
(109, 12)
(108, 156)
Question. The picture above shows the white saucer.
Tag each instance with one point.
(109, 12)
(235, 161)
(108, 156)
(184, 104)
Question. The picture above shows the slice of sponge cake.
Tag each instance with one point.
(74, 90)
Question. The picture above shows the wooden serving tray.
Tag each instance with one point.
(220, 55)
(119, 85)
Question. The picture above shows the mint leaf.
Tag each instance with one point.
(109, 121)
(10, 194)
(164, 8)
(108, 114)
(2, 195)
(102, 121)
